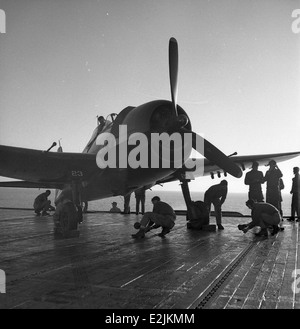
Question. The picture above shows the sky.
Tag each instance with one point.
(64, 62)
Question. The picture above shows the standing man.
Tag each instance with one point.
(254, 179)
(140, 197)
(162, 215)
(216, 195)
(41, 203)
(281, 187)
(264, 215)
(295, 207)
(272, 178)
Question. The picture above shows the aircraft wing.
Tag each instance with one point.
(244, 161)
(26, 184)
(41, 169)
(44, 169)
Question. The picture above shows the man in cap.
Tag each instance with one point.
(295, 191)
(254, 179)
(264, 215)
(216, 195)
(115, 208)
(272, 178)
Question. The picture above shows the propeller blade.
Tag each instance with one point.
(214, 155)
(173, 70)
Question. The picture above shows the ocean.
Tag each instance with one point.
(23, 198)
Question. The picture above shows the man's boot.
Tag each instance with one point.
(164, 231)
(139, 235)
(291, 219)
(275, 229)
(262, 232)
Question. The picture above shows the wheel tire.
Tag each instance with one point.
(68, 218)
(202, 215)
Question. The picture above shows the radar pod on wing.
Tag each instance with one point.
(200, 144)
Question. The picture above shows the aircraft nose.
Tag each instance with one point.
(163, 119)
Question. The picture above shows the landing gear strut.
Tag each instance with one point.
(76, 198)
(69, 214)
(197, 214)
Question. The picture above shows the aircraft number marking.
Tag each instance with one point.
(77, 173)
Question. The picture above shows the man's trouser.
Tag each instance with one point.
(218, 210)
(127, 203)
(273, 197)
(267, 220)
(42, 206)
(140, 199)
(295, 205)
(256, 195)
(167, 221)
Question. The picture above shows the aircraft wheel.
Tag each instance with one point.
(68, 218)
(201, 214)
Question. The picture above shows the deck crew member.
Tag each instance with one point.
(115, 208)
(41, 203)
(264, 215)
(216, 195)
(281, 187)
(254, 179)
(272, 177)
(162, 215)
(295, 191)
(140, 197)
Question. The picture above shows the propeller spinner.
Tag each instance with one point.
(212, 153)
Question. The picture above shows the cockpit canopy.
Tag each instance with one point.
(99, 129)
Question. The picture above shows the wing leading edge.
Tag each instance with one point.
(244, 161)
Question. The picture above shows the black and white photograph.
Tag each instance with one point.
(149, 157)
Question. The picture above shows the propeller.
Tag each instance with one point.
(200, 144)
(173, 70)
(213, 154)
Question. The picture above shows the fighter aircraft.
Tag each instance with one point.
(80, 178)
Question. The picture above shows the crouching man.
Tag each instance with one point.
(41, 203)
(162, 215)
(264, 215)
